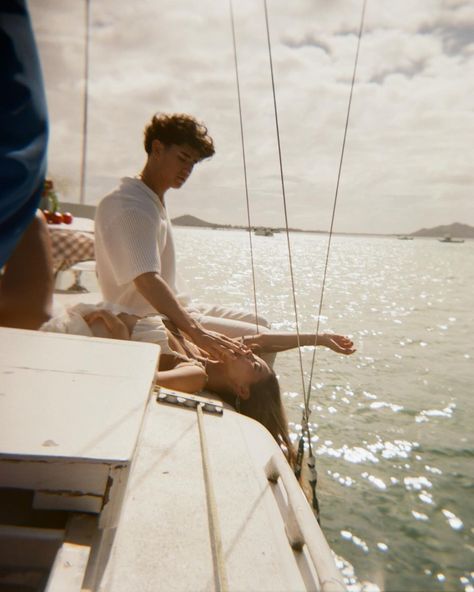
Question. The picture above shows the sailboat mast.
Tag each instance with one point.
(85, 105)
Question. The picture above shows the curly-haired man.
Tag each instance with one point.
(134, 240)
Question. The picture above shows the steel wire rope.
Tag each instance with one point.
(307, 395)
(282, 181)
(244, 161)
(304, 420)
(336, 195)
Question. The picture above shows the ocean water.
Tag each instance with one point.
(392, 424)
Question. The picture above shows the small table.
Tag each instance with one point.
(72, 244)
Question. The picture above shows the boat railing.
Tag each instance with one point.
(300, 526)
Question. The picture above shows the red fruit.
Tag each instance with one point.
(46, 214)
(67, 218)
(56, 217)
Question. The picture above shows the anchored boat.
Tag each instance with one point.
(449, 239)
(261, 231)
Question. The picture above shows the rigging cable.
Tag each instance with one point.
(313, 480)
(341, 159)
(244, 161)
(304, 421)
(285, 210)
(305, 431)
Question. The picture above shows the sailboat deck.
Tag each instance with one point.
(80, 434)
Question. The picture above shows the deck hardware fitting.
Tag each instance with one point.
(191, 403)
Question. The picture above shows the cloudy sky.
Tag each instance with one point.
(409, 152)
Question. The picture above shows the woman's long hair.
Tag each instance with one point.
(265, 406)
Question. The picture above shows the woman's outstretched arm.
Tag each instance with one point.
(277, 342)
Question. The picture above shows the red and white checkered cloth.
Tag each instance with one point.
(70, 247)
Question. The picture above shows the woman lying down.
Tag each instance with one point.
(246, 382)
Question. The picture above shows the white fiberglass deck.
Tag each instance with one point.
(152, 493)
(165, 537)
(71, 409)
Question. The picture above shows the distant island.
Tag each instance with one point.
(188, 220)
(455, 230)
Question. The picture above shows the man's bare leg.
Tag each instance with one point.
(26, 287)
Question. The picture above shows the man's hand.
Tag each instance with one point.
(216, 345)
(338, 343)
(152, 287)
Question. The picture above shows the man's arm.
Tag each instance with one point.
(277, 342)
(152, 287)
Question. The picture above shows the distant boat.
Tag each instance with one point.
(405, 237)
(449, 239)
(262, 231)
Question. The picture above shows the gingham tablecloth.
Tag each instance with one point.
(69, 247)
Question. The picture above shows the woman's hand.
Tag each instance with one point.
(338, 343)
(116, 329)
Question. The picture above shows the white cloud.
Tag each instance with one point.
(409, 143)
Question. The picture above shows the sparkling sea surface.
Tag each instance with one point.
(393, 423)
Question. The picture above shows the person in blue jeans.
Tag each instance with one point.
(25, 255)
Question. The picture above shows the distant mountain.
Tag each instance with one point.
(188, 220)
(455, 230)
